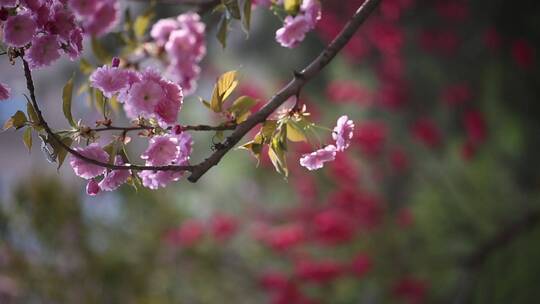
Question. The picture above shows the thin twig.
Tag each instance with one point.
(225, 127)
(292, 88)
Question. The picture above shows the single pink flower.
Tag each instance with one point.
(5, 91)
(109, 80)
(114, 178)
(44, 51)
(293, 31)
(19, 30)
(343, 133)
(86, 169)
(144, 96)
(316, 160)
(161, 151)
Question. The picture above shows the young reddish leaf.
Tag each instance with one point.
(17, 121)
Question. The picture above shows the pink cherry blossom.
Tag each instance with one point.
(343, 133)
(102, 21)
(293, 31)
(84, 7)
(159, 179)
(33, 5)
(8, 3)
(162, 29)
(44, 51)
(85, 169)
(162, 150)
(144, 96)
(312, 10)
(92, 188)
(115, 178)
(183, 41)
(74, 46)
(109, 80)
(5, 91)
(19, 30)
(316, 160)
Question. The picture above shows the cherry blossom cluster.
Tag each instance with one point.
(52, 27)
(173, 148)
(342, 134)
(183, 41)
(295, 28)
(144, 94)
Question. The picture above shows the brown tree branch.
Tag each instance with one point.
(291, 89)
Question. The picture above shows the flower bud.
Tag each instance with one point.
(92, 188)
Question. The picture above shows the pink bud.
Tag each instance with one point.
(92, 188)
(115, 62)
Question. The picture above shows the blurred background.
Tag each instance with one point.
(437, 201)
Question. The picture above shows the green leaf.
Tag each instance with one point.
(292, 6)
(294, 132)
(27, 138)
(32, 115)
(100, 52)
(223, 29)
(240, 108)
(142, 23)
(233, 8)
(268, 129)
(246, 22)
(277, 154)
(255, 148)
(223, 88)
(67, 96)
(100, 101)
(60, 151)
(17, 121)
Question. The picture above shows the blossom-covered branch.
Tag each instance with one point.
(291, 89)
(223, 127)
(43, 123)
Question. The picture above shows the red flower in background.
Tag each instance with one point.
(410, 289)
(348, 91)
(523, 54)
(371, 137)
(475, 125)
(426, 131)
(361, 265)
(223, 227)
(457, 94)
(318, 271)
